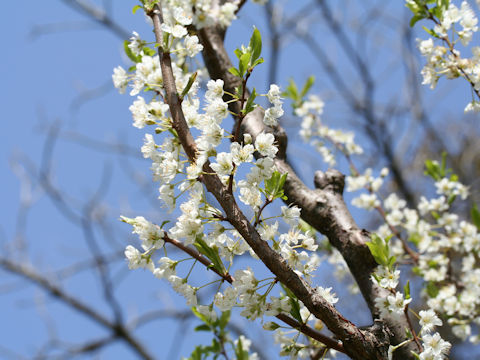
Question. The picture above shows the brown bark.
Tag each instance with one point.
(323, 207)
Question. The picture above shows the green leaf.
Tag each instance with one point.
(164, 223)
(380, 251)
(200, 315)
(234, 71)
(307, 86)
(211, 253)
(432, 169)
(224, 319)
(274, 186)
(257, 62)
(130, 54)
(307, 228)
(203, 327)
(191, 80)
(238, 53)
(432, 289)
(243, 63)
(391, 262)
(415, 238)
(451, 199)
(250, 105)
(270, 326)
(475, 214)
(430, 32)
(255, 45)
(291, 91)
(239, 352)
(295, 306)
(136, 8)
(417, 271)
(416, 18)
(148, 51)
(406, 290)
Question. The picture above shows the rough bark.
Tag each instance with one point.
(323, 207)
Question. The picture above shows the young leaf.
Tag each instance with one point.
(211, 253)
(307, 86)
(257, 62)
(130, 54)
(148, 51)
(202, 327)
(406, 290)
(243, 63)
(380, 251)
(238, 53)
(255, 45)
(224, 319)
(234, 71)
(191, 80)
(475, 214)
(250, 105)
(200, 316)
(135, 8)
(295, 306)
(239, 352)
(291, 91)
(432, 289)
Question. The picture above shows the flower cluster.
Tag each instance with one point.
(456, 24)
(199, 224)
(273, 113)
(315, 132)
(446, 248)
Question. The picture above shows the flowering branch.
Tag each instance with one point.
(305, 329)
(359, 344)
(323, 208)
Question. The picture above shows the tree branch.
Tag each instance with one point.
(324, 207)
(359, 344)
(118, 330)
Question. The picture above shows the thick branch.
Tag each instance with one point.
(324, 207)
(305, 329)
(358, 344)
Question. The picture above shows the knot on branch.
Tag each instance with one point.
(380, 336)
(331, 179)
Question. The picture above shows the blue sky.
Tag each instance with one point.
(57, 69)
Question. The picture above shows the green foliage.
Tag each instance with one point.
(191, 80)
(475, 214)
(274, 186)
(217, 327)
(130, 54)
(415, 238)
(271, 326)
(240, 353)
(427, 9)
(432, 289)
(248, 58)
(381, 251)
(292, 92)
(250, 105)
(136, 8)
(307, 228)
(212, 253)
(294, 303)
(406, 290)
(438, 171)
